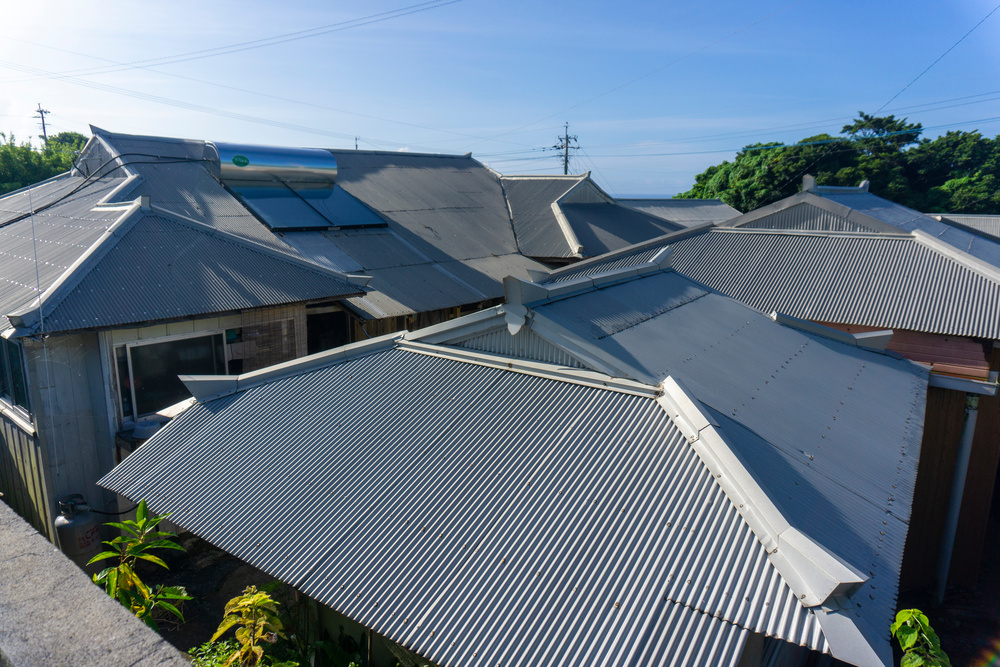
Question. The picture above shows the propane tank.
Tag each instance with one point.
(78, 530)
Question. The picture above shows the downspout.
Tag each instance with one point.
(957, 492)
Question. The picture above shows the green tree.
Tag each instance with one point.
(22, 165)
(957, 172)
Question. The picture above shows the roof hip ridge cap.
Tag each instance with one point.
(205, 228)
(814, 574)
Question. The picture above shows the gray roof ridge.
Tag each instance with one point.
(206, 388)
(351, 151)
(581, 376)
(819, 578)
(982, 267)
(813, 199)
(545, 177)
(25, 319)
(895, 233)
(256, 247)
(633, 249)
(946, 219)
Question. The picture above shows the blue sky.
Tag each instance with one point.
(655, 91)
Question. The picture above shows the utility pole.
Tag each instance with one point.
(564, 147)
(41, 114)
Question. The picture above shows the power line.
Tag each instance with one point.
(264, 41)
(653, 71)
(939, 58)
(68, 76)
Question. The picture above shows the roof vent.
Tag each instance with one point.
(808, 183)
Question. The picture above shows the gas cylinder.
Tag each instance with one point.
(78, 530)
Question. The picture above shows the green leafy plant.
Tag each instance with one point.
(920, 644)
(257, 615)
(213, 654)
(138, 540)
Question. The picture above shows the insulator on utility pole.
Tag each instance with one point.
(564, 146)
(40, 113)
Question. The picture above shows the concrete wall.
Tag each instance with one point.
(52, 614)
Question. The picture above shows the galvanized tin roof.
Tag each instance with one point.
(604, 227)
(530, 199)
(856, 209)
(150, 266)
(626, 552)
(799, 410)
(35, 250)
(986, 224)
(684, 212)
(893, 281)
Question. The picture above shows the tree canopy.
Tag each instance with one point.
(958, 172)
(22, 165)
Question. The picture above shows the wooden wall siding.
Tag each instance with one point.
(970, 539)
(942, 432)
(22, 480)
(275, 335)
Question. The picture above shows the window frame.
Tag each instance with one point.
(8, 397)
(129, 419)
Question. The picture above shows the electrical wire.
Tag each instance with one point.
(939, 58)
(652, 71)
(258, 43)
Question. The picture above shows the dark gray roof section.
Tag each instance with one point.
(152, 266)
(509, 550)
(56, 237)
(446, 238)
(985, 224)
(52, 614)
(606, 227)
(448, 207)
(684, 212)
(539, 233)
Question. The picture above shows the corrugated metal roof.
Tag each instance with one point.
(603, 228)
(159, 268)
(806, 217)
(895, 282)
(56, 237)
(685, 212)
(800, 410)
(987, 224)
(580, 529)
(530, 199)
(451, 207)
(986, 249)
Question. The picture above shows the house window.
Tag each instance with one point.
(13, 387)
(147, 372)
